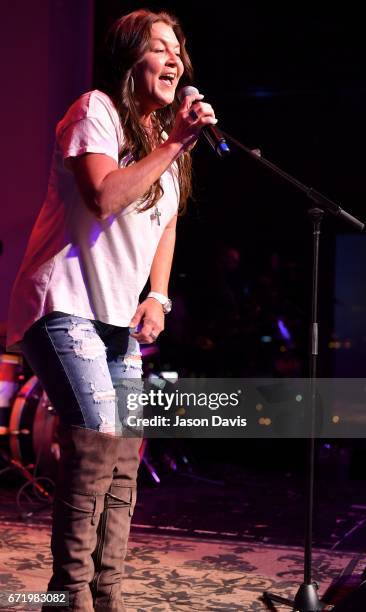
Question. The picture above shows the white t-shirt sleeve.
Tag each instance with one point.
(88, 130)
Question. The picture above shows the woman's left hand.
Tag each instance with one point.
(150, 316)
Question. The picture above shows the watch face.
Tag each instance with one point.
(167, 306)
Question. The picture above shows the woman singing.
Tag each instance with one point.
(120, 171)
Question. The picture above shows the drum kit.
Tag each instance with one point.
(28, 421)
(28, 424)
(28, 431)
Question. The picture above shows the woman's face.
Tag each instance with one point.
(157, 74)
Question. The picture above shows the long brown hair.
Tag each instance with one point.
(127, 41)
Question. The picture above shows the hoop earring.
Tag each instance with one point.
(132, 85)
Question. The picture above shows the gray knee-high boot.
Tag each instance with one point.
(88, 459)
(114, 529)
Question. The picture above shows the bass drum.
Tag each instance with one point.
(32, 429)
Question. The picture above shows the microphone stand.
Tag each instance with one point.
(306, 598)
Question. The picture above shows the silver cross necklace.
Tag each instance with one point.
(156, 214)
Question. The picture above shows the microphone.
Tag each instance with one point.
(210, 132)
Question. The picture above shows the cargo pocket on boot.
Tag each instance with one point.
(89, 505)
(123, 496)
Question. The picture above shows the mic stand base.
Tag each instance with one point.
(306, 599)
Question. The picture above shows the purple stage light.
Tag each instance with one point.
(283, 330)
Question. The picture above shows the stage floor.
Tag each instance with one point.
(210, 536)
(169, 573)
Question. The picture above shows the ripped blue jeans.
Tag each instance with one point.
(86, 368)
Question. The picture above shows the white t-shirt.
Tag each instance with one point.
(75, 263)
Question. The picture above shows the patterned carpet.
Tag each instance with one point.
(176, 574)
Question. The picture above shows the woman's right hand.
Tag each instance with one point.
(192, 116)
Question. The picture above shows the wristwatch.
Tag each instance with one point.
(162, 299)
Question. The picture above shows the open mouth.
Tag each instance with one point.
(168, 79)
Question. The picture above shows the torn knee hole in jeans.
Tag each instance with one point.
(100, 397)
(86, 344)
(133, 361)
(103, 396)
(105, 427)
